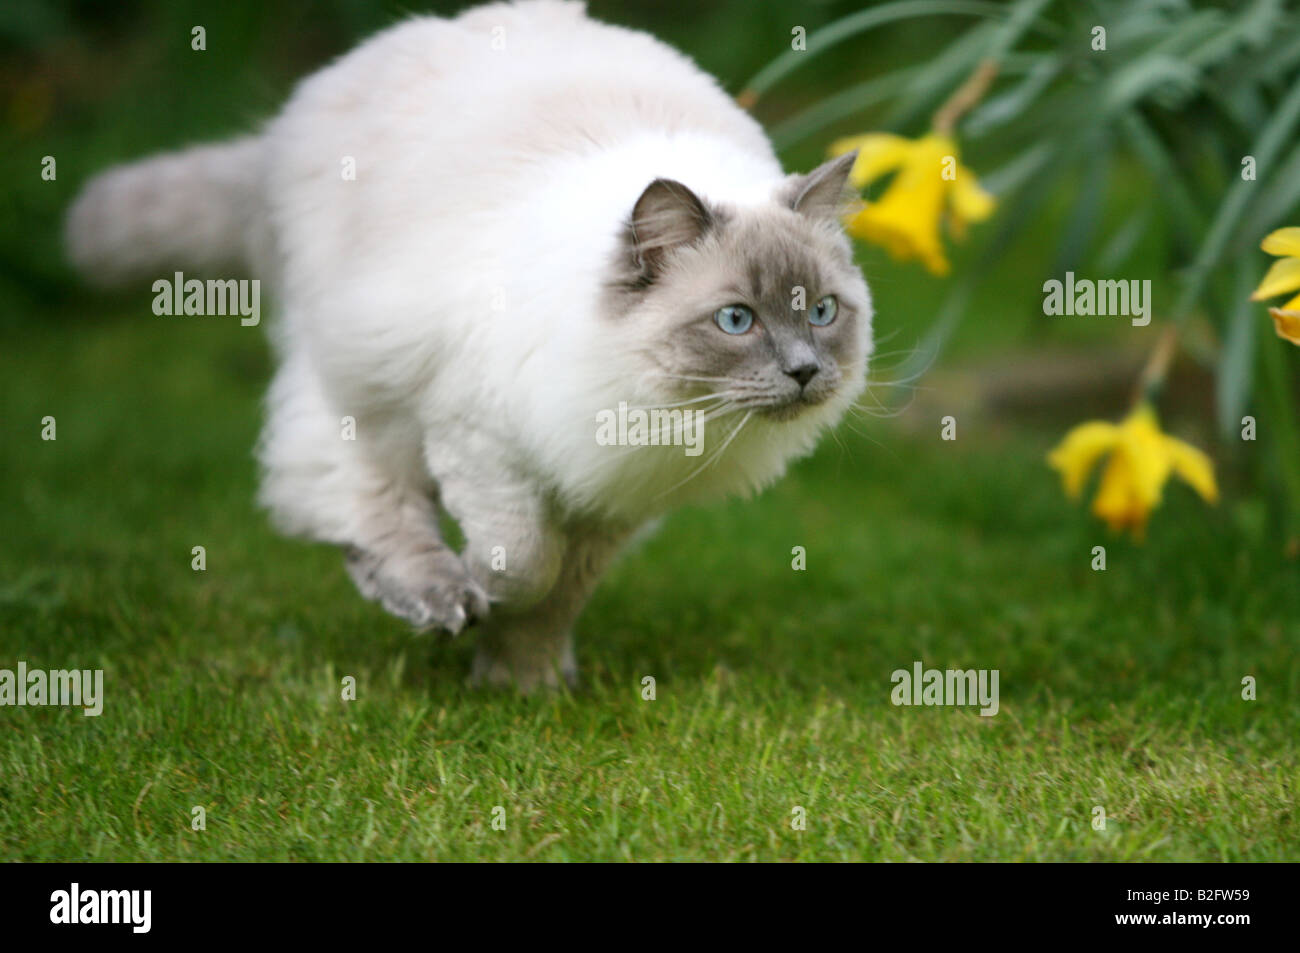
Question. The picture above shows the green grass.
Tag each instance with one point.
(1119, 689)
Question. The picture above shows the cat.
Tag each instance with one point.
(483, 233)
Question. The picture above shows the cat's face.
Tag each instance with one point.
(757, 309)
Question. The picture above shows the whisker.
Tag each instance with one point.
(899, 383)
(665, 433)
(870, 439)
(689, 377)
(681, 403)
(711, 458)
(880, 414)
(878, 356)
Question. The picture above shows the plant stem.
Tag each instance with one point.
(855, 24)
(965, 97)
(1156, 369)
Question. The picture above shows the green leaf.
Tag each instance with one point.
(1252, 27)
(1278, 200)
(1236, 372)
(1167, 179)
(1234, 204)
(941, 76)
(1144, 77)
(986, 42)
(1081, 225)
(1121, 243)
(842, 105)
(1001, 109)
(1279, 60)
(1009, 177)
(860, 22)
(1280, 410)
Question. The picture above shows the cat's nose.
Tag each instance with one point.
(803, 373)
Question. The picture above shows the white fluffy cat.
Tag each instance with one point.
(549, 217)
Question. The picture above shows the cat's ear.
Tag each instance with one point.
(823, 192)
(666, 216)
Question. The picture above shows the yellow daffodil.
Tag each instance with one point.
(1287, 324)
(928, 184)
(1141, 461)
(1283, 278)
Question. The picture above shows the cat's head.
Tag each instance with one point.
(760, 305)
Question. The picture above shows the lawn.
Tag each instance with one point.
(1119, 689)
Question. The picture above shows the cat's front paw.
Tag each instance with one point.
(431, 591)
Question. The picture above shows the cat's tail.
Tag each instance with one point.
(199, 208)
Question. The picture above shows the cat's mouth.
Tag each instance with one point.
(787, 407)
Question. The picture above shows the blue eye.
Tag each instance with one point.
(734, 318)
(823, 312)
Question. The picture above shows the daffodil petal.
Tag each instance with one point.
(1282, 278)
(1287, 323)
(1284, 241)
(1142, 458)
(943, 145)
(1141, 441)
(1075, 456)
(1194, 467)
(878, 153)
(906, 236)
(906, 218)
(970, 202)
(1116, 501)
